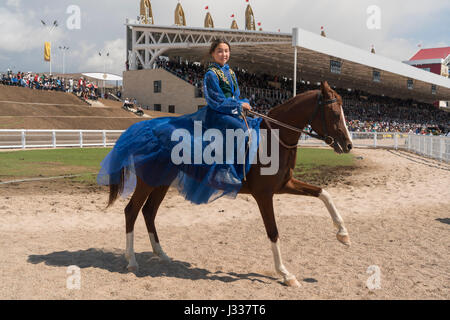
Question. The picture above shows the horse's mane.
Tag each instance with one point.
(289, 103)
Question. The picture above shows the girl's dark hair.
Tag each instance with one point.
(216, 43)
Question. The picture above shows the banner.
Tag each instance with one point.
(47, 51)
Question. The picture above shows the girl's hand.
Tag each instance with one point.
(246, 106)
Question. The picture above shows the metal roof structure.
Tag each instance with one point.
(273, 53)
(103, 76)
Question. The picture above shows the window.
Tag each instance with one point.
(157, 86)
(376, 76)
(410, 84)
(433, 89)
(335, 66)
(157, 107)
(171, 109)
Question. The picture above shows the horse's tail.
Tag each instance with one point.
(116, 189)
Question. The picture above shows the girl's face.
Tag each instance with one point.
(222, 54)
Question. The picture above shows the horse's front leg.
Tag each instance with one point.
(295, 186)
(265, 205)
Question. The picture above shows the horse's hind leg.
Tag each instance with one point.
(150, 210)
(140, 194)
(295, 186)
(265, 205)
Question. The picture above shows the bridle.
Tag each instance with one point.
(320, 109)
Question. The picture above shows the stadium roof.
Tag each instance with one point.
(103, 76)
(432, 53)
(273, 53)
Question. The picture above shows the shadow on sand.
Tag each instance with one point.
(149, 265)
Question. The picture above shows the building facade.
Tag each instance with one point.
(435, 60)
(160, 90)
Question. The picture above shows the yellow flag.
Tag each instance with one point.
(47, 51)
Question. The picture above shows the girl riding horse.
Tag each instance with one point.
(142, 157)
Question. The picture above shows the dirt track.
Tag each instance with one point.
(395, 207)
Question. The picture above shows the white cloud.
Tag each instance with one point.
(115, 63)
(13, 3)
(404, 25)
(18, 35)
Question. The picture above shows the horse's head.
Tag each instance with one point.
(329, 120)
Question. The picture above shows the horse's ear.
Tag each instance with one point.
(325, 88)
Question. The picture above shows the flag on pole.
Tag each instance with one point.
(47, 51)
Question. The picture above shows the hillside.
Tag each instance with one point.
(23, 108)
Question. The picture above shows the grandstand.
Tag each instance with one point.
(168, 58)
(435, 60)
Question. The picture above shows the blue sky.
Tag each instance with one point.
(404, 24)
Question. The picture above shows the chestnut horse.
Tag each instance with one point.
(322, 109)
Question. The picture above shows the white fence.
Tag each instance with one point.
(430, 146)
(436, 147)
(392, 140)
(25, 139)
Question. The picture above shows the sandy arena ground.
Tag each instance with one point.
(396, 207)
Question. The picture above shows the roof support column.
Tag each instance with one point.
(132, 54)
(295, 45)
(295, 71)
(154, 55)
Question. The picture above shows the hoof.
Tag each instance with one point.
(164, 258)
(133, 269)
(292, 283)
(344, 239)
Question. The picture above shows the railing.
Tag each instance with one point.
(436, 147)
(25, 139)
(394, 140)
(245, 91)
(265, 93)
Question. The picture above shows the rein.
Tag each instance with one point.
(320, 107)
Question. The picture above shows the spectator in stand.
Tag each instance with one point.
(364, 112)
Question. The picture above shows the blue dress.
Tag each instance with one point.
(147, 148)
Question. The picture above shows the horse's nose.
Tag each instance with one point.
(349, 147)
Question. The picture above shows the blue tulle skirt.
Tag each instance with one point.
(144, 150)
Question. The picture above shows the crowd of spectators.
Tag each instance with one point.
(369, 113)
(257, 89)
(364, 112)
(81, 87)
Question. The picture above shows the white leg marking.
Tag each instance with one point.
(157, 250)
(337, 219)
(129, 253)
(342, 234)
(288, 278)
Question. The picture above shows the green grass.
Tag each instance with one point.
(319, 166)
(52, 162)
(308, 158)
(311, 163)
